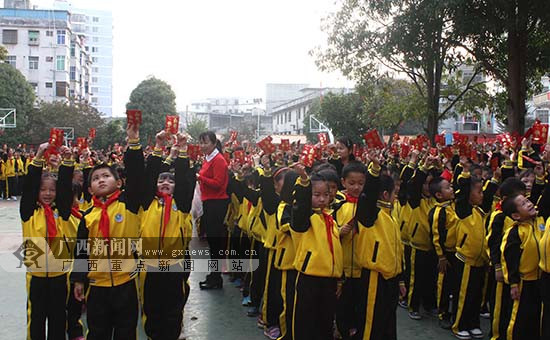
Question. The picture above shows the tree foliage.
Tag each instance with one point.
(3, 53)
(16, 92)
(155, 99)
(109, 133)
(511, 39)
(195, 127)
(79, 116)
(369, 37)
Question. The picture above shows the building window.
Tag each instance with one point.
(299, 113)
(60, 63)
(33, 63)
(73, 49)
(94, 89)
(95, 29)
(9, 36)
(71, 93)
(12, 60)
(61, 89)
(95, 39)
(49, 59)
(94, 59)
(94, 80)
(49, 85)
(95, 19)
(95, 49)
(61, 37)
(49, 33)
(94, 100)
(73, 73)
(95, 69)
(34, 86)
(34, 37)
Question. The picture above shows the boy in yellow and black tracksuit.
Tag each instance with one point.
(520, 264)
(11, 180)
(544, 266)
(443, 221)
(423, 277)
(344, 213)
(402, 213)
(110, 230)
(46, 239)
(473, 202)
(163, 281)
(318, 260)
(381, 257)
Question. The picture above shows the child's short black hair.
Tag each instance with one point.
(512, 186)
(435, 185)
(386, 184)
(509, 205)
(77, 190)
(324, 166)
(103, 166)
(354, 166)
(526, 173)
(329, 175)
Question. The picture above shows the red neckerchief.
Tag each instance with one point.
(76, 212)
(104, 220)
(249, 206)
(351, 199)
(167, 210)
(498, 206)
(50, 222)
(329, 222)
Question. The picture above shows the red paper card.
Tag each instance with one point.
(539, 132)
(81, 143)
(405, 149)
(308, 155)
(172, 124)
(440, 139)
(372, 139)
(238, 155)
(433, 151)
(92, 133)
(193, 151)
(56, 137)
(233, 136)
(133, 117)
(323, 140)
(285, 145)
(266, 145)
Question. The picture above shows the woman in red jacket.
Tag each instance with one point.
(213, 178)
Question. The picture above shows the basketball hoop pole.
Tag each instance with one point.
(8, 118)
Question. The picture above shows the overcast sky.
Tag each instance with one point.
(214, 48)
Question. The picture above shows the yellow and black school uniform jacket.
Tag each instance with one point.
(530, 152)
(55, 261)
(520, 251)
(124, 225)
(443, 221)
(85, 200)
(19, 167)
(498, 223)
(178, 230)
(418, 227)
(235, 200)
(318, 249)
(544, 249)
(345, 213)
(9, 167)
(285, 248)
(270, 201)
(254, 227)
(402, 210)
(2, 170)
(471, 247)
(379, 239)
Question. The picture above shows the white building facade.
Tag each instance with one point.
(288, 118)
(97, 28)
(43, 47)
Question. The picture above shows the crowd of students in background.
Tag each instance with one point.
(342, 237)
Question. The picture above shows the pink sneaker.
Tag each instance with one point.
(272, 332)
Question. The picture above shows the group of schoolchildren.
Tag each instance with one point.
(105, 223)
(13, 169)
(340, 244)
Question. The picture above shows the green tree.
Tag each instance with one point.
(195, 127)
(406, 37)
(109, 133)
(155, 99)
(16, 93)
(511, 39)
(3, 53)
(342, 113)
(79, 116)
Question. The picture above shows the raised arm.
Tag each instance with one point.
(302, 209)
(367, 210)
(31, 185)
(134, 164)
(64, 189)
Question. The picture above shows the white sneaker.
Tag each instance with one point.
(8, 199)
(463, 335)
(14, 198)
(476, 333)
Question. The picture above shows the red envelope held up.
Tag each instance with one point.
(172, 124)
(133, 117)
